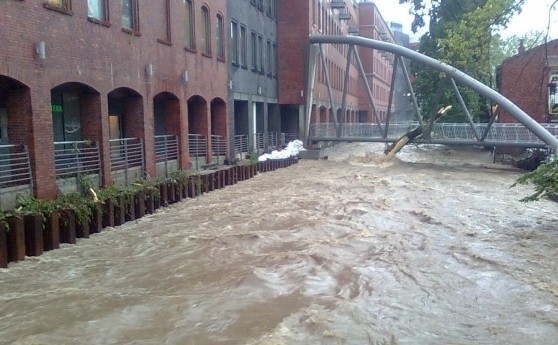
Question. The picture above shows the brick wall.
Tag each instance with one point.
(524, 80)
(292, 48)
(105, 58)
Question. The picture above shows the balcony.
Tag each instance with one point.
(338, 4)
(353, 30)
(345, 16)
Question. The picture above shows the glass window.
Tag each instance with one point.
(97, 9)
(234, 42)
(130, 14)
(62, 4)
(167, 24)
(189, 40)
(205, 31)
(269, 59)
(271, 8)
(219, 37)
(274, 59)
(254, 52)
(261, 48)
(243, 46)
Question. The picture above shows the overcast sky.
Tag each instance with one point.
(534, 17)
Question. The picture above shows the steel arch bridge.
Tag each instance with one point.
(526, 133)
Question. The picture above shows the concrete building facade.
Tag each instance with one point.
(253, 74)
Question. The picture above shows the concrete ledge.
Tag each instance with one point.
(313, 154)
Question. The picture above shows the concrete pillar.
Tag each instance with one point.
(251, 125)
(266, 125)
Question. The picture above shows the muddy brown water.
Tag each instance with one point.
(430, 248)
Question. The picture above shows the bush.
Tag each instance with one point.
(544, 179)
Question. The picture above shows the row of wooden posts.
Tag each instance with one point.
(31, 235)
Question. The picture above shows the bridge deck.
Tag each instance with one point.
(500, 134)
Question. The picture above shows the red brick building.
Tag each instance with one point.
(146, 74)
(297, 20)
(377, 65)
(529, 80)
(117, 90)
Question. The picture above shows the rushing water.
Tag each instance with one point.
(430, 248)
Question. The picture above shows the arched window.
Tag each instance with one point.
(189, 37)
(205, 31)
(220, 37)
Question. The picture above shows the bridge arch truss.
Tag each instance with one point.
(527, 133)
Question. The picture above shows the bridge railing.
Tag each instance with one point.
(499, 132)
(400, 56)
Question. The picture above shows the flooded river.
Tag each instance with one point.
(430, 248)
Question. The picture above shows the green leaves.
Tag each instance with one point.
(544, 180)
(460, 34)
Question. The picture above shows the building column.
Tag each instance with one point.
(34, 116)
(252, 114)
(266, 124)
(95, 126)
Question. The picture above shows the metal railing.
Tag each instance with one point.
(501, 133)
(15, 167)
(290, 137)
(166, 152)
(274, 140)
(219, 147)
(125, 154)
(76, 158)
(197, 145)
(241, 143)
(166, 148)
(259, 141)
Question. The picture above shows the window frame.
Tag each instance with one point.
(269, 59)
(254, 46)
(205, 35)
(65, 8)
(270, 10)
(275, 64)
(243, 51)
(261, 54)
(191, 44)
(105, 21)
(135, 29)
(234, 42)
(220, 37)
(168, 39)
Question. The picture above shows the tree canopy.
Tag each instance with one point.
(460, 34)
